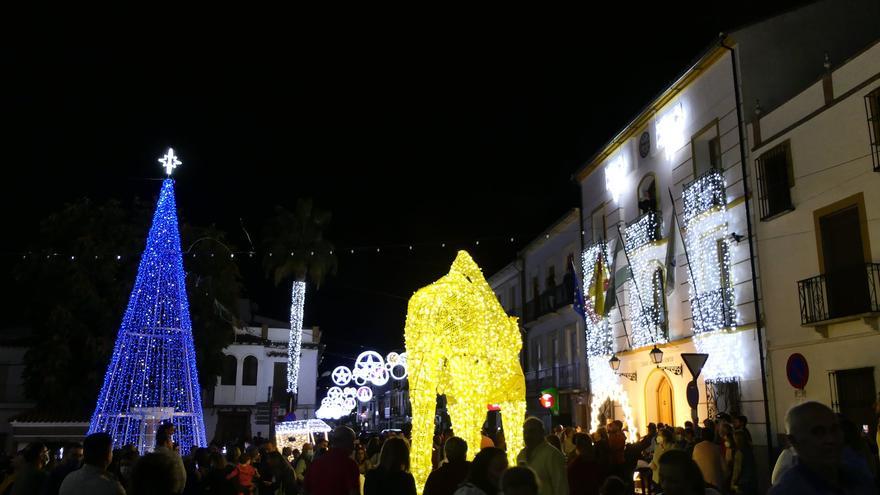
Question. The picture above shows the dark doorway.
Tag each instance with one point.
(856, 393)
(279, 383)
(843, 255)
(232, 427)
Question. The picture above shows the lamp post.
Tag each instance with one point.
(657, 358)
(614, 362)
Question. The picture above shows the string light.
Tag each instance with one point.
(712, 297)
(598, 329)
(294, 343)
(295, 434)
(606, 386)
(448, 326)
(152, 374)
(647, 255)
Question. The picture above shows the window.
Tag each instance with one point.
(555, 355)
(872, 105)
(573, 351)
(551, 277)
(648, 197)
(597, 220)
(512, 295)
(706, 150)
(775, 179)
(229, 370)
(249, 371)
(539, 357)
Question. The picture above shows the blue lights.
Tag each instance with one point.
(153, 368)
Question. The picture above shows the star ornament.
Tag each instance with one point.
(170, 161)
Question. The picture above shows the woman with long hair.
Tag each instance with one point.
(392, 474)
(484, 477)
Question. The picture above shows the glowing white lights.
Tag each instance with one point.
(294, 345)
(605, 386)
(712, 297)
(364, 394)
(294, 434)
(670, 131)
(169, 161)
(341, 375)
(615, 177)
(647, 256)
(369, 367)
(596, 262)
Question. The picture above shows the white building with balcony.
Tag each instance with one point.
(817, 173)
(251, 392)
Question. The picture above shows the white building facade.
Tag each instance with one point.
(251, 392)
(667, 260)
(817, 175)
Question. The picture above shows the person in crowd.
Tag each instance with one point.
(689, 441)
(92, 477)
(680, 475)
(547, 462)
(600, 447)
(616, 445)
(614, 485)
(786, 460)
(665, 443)
(197, 467)
(584, 472)
(373, 450)
(725, 443)
(165, 447)
(335, 473)
(484, 477)
(815, 434)
(745, 470)
(554, 441)
(360, 457)
(740, 423)
(72, 460)
(649, 441)
(303, 461)
(567, 440)
(857, 444)
(520, 481)
(321, 448)
(32, 475)
(287, 453)
(445, 479)
(282, 473)
(154, 474)
(392, 474)
(707, 455)
(218, 481)
(245, 475)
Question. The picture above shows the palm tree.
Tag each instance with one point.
(295, 248)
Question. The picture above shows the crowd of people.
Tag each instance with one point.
(826, 454)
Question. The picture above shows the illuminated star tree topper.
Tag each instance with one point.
(170, 161)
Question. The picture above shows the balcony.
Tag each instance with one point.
(842, 296)
(644, 230)
(714, 310)
(703, 194)
(561, 377)
(549, 301)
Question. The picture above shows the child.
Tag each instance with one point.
(245, 474)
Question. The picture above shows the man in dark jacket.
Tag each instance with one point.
(451, 473)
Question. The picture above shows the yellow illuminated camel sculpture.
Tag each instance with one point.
(461, 343)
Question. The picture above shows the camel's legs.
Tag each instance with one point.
(467, 418)
(423, 398)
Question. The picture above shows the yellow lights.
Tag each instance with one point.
(461, 343)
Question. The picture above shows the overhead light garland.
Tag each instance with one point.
(152, 376)
(461, 343)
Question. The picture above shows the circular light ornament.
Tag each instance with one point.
(349, 392)
(369, 360)
(379, 376)
(341, 375)
(349, 404)
(401, 372)
(392, 359)
(364, 394)
(334, 392)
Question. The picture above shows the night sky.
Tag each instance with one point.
(424, 133)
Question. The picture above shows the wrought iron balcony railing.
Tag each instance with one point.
(714, 310)
(840, 295)
(643, 230)
(562, 377)
(549, 301)
(702, 194)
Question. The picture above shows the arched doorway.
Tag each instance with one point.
(664, 402)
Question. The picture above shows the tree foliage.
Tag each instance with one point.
(74, 291)
(295, 245)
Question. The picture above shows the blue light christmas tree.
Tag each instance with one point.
(152, 375)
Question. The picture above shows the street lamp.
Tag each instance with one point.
(614, 362)
(657, 358)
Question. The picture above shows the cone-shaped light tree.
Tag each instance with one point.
(296, 249)
(152, 374)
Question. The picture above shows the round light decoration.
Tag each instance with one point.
(341, 376)
(369, 368)
(364, 394)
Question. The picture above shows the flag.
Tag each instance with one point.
(579, 304)
(670, 256)
(599, 284)
(618, 278)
